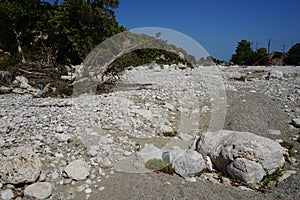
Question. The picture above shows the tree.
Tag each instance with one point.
(243, 54)
(73, 28)
(293, 56)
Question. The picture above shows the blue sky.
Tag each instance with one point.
(219, 24)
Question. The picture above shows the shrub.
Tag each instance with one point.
(159, 165)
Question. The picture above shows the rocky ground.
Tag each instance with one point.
(84, 147)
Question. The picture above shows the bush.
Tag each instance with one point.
(293, 57)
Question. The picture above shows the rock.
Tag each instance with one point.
(88, 190)
(6, 78)
(274, 132)
(19, 165)
(93, 150)
(39, 190)
(5, 90)
(7, 194)
(187, 163)
(286, 175)
(246, 171)
(59, 129)
(224, 147)
(150, 152)
(275, 74)
(64, 137)
(78, 170)
(296, 122)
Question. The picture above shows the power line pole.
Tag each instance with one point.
(256, 45)
(269, 46)
(283, 48)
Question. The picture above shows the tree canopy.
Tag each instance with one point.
(68, 31)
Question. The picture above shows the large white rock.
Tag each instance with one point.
(224, 147)
(19, 165)
(7, 194)
(150, 152)
(78, 170)
(39, 190)
(187, 163)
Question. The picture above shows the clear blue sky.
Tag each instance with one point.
(219, 24)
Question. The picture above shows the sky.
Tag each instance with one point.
(218, 25)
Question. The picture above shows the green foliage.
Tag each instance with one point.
(290, 147)
(72, 28)
(243, 54)
(272, 177)
(159, 165)
(65, 90)
(170, 134)
(293, 57)
(9, 63)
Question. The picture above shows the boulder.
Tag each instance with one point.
(187, 163)
(246, 171)
(228, 147)
(19, 165)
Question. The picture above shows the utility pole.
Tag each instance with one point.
(256, 45)
(269, 46)
(283, 48)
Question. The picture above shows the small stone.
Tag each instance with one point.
(88, 182)
(7, 194)
(226, 181)
(127, 153)
(59, 129)
(1, 185)
(67, 181)
(78, 170)
(54, 175)
(88, 190)
(274, 132)
(245, 188)
(286, 175)
(93, 150)
(80, 188)
(296, 122)
(39, 190)
(101, 188)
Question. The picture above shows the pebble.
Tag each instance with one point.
(101, 188)
(88, 190)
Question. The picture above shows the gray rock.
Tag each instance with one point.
(93, 150)
(275, 74)
(187, 163)
(246, 171)
(7, 194)
(39, 190)
(224, 146)
(150, 152)
(296, 122)
(78, 170)
(19, 165)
